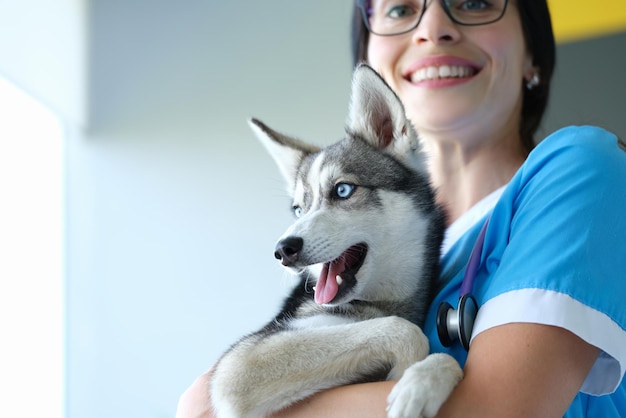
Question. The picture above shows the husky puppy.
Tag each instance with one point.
(365, 245)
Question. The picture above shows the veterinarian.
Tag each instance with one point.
(549, 339)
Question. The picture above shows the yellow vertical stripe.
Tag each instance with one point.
(579, 19)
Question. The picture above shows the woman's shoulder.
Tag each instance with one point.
(578, 148)
(580, 139)
(574, 168)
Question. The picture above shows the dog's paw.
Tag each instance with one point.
(424, 387)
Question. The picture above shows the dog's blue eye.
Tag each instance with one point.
(344, 190)
(297, 210)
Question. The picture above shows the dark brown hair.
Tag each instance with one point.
(537, 28)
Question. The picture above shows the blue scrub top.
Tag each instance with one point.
(555, 254)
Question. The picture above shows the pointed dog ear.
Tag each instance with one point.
(377, 115)
(287, 152)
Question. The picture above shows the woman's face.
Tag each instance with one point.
(452, 77)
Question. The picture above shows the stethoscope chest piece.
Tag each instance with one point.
(458, 324)
(453, 324)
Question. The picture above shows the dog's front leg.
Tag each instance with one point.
(424, 387)
(266, 373)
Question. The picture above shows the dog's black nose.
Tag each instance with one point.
(288, 249)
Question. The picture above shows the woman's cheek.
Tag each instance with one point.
(382, 56)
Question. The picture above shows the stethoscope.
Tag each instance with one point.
(458, 323)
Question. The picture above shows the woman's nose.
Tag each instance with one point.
(435, 25)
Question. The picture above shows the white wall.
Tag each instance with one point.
(173, 208)
(42, 50)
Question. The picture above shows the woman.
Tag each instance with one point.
(549, 339)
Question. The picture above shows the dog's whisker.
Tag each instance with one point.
(306, 283)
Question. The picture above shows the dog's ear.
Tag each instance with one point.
(287, 152)
(377, 116)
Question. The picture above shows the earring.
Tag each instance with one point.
(533, 82)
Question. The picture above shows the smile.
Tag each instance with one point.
(442, 72)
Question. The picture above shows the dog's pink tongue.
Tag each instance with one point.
(326, 287)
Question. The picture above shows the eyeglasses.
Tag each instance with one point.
(396, 17)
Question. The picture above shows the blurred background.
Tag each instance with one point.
(139, 213)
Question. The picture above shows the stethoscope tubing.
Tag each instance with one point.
(467, 285)
(458, 324)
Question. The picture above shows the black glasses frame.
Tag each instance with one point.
(364, 6)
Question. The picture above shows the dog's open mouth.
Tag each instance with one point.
(339, 275)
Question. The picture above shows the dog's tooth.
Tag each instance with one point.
(314, 288)
(339, 280)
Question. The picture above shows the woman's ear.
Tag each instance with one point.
(533, 79)
(532, 73)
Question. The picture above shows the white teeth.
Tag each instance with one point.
(444, 71)
(314, 288)
(339, 280)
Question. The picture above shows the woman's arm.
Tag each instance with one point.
(513, 370)
(366, 400)
(358, 401)
(521, 370)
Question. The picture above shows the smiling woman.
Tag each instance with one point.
(31, 292)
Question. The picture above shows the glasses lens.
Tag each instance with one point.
(478, 12)
(391, 17)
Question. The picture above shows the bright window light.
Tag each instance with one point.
(31, 257)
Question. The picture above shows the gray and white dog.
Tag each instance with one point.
(365, 246)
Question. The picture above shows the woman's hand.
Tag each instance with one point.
(195, 402)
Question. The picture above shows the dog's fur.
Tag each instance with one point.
(365, 212)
